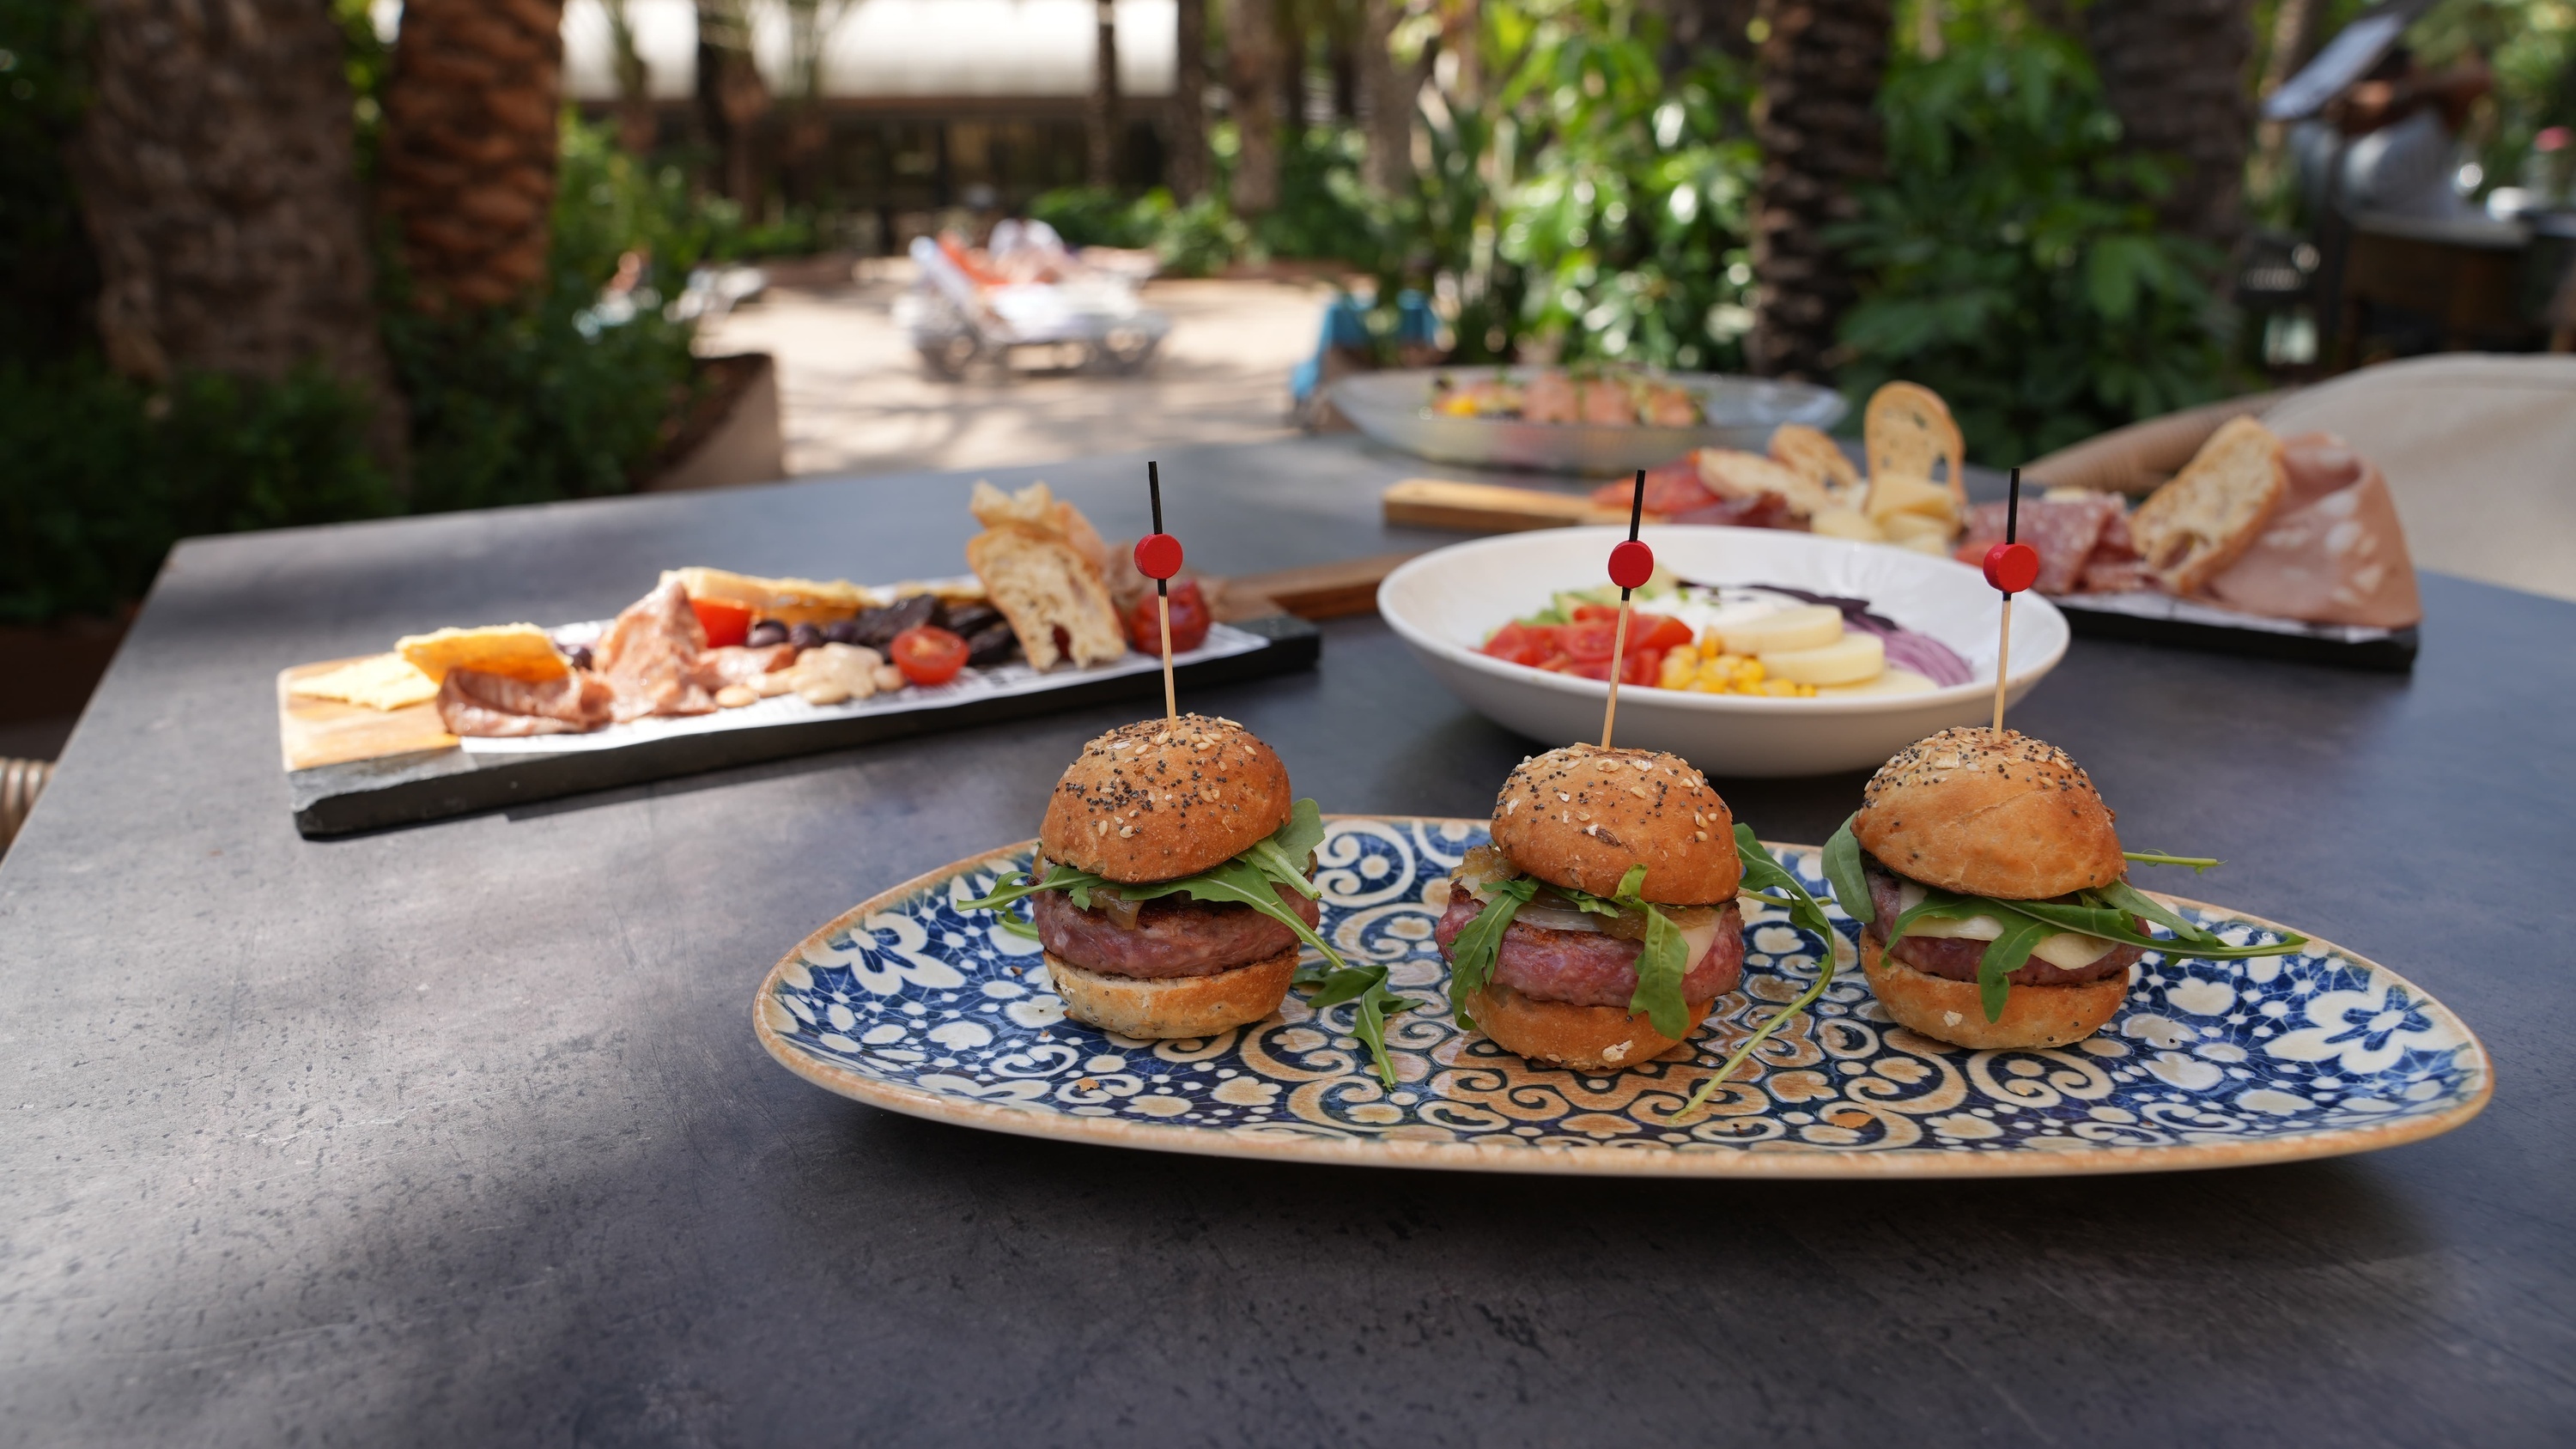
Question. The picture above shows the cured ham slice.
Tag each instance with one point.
(739, 664)
(2332, 552)
(648, 653)
(2065, 531)
(1673, 488)
(472, 702)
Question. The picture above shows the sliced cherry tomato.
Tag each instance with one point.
(1530, 644)
(1657, 632)
(1189, 621)
(726, 624)
(1589, 640)
(1586, 613)
(928, 655)
(1638, 666)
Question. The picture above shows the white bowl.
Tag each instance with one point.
(1447, 601)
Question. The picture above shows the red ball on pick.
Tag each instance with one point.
(1158, 555)
(2012, 567)
(1631, 564)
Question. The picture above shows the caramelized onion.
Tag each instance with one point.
(1120, 910)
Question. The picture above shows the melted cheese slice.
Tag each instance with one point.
(1697, 939)
(2065, 950)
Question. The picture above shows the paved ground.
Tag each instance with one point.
(857, 399)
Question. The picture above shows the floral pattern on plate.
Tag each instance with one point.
(909, 1003)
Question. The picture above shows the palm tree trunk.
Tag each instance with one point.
(1188, 168)
(218, 179)
(1102, 123)
(731, 95)
(468, 170)
(637, 125)
(1252, 45)
(1820, 66)
(2174, 73)
(1389, 91)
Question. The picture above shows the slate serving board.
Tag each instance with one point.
(440, 781)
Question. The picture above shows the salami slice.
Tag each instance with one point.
(2063, 530)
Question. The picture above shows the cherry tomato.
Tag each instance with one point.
(1657, 632)
(1588, 613)
(1637, 666)
(726, 624)
(1189, 621)
(928, 654)
(1529, 644)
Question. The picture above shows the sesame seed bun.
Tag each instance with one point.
(1951, 1011)
(1161, 799)
(1584, 1038)
(1166, 1007)
(1582, 815)
(1984, 814)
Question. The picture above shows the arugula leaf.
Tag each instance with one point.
(1015, 925)
(1804, 910)
(1843, 871)
(1663, 959)
(1284, 853)
(1365, 985)
(2128, 898)
(2198, 863)
(2005, 955)
(1471, 955)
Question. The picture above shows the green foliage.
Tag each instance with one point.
(1099, 216)
(1200, 238)
(570, 395)
(104, 475)
(2011, 265)
(45, 262)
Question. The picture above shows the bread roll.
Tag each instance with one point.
(1168, 1007)
(1159, 800)
(1984, 814)
(1584, 1038)
(1581, 816)
(1953, 1011)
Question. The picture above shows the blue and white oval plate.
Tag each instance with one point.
(908, 1003)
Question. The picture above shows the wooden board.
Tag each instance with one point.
(316, 732)
(421, 782)
(1488, 507)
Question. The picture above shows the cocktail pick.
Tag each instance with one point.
(2011, 566)
(1631, 564)
(1158, 557)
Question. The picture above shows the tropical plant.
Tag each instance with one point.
(466, 165)
(2012, 257)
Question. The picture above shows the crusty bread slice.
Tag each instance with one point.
(1819, 460)
(1729, 473)
(514, 651)
(2195, 526)
(1906, 429)
(1047, 589)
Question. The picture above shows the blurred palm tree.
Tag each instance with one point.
(467, 170)
(217, 176)
(2174, 73)
(731, 95)
(1819, 63)
(1188, 168)
(637, 126)
(1252, 55)
(1103, 120)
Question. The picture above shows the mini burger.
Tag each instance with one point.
(1994, 895)
(1170, 887)
(1600, 925)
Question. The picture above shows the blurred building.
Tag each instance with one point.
(886, 113)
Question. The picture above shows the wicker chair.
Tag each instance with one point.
(21, 781)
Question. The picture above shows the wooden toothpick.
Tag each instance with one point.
(2011, 566)
(1158, 557)
(1631, 564)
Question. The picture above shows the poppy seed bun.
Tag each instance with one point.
(1582, 815)
(1162, 799)
(1951, 1011)
(1166, 1007)
(1585, 1038)
(1984, 814)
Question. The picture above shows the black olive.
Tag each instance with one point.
(766, 633)
(968, 619)
(877, 627)
(579, 656)
(805, 636)
(991, 644)
(842, 631)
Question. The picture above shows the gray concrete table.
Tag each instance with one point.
(458, 1134)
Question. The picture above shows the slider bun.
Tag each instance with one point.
(1582, 815)
(1173, 1006)
(1560, 1034)
(1162, 799)
(1984, 814)
(1947, 1010)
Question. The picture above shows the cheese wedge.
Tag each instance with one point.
(1848, 660)
(514, 651)
(1803, 626)
(380, 681)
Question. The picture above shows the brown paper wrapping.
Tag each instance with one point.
(2333, 551)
